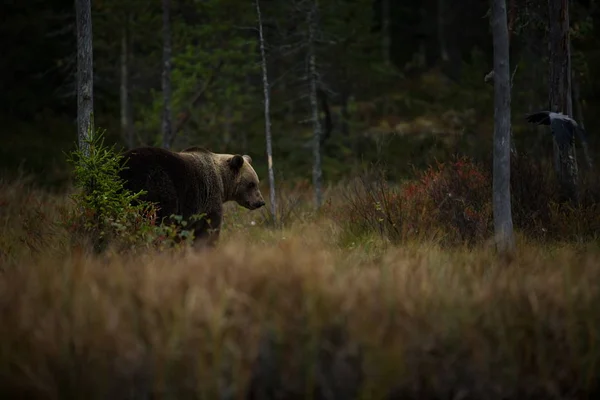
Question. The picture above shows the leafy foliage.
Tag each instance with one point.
(448, 202)
(451, 204)
(207, 35)
(105, 212)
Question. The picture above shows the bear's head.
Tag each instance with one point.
(245, 180)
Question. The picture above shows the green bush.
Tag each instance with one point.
(106, 214)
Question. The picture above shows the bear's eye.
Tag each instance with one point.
(251, 185)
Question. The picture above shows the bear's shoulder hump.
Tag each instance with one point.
(196, 149)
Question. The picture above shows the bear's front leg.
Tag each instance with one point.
(207, 230)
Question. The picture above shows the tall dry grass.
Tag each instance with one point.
(290, 313)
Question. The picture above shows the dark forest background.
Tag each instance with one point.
(402, 84)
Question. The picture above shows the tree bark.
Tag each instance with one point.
(503, 226)
(126, 108)
(227, 122)
(166, 76)
(512, 18)
(85, 74)
(314, 77)
(327, 122)
(386, 35)
(266, 89)
(560, 94)
(580, 122)
(442, 31)
(345, 114)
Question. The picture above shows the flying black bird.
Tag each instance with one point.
(563, 127)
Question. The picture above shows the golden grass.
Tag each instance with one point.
(290, 313)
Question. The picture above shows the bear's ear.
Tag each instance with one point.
(236, 162)
(247, 158)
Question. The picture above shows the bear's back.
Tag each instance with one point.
(178, 183)
(144, 163)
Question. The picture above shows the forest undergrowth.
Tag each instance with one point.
(391, 290)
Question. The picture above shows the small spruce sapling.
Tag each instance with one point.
(107, 213)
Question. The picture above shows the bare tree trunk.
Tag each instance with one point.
(314, 77)
(85, 74)
(126, 118)
(345, 114)
(386, 43)
(441, 30)
(166, 76)
(579, 112)
(227, 123)
(272, 198)
(386, 36)
(503, 226)
(560, 93)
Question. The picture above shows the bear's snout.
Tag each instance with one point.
(259, 204)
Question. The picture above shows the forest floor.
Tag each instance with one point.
(301, 310)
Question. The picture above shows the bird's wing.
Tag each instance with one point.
(563, 130)
(540, 118)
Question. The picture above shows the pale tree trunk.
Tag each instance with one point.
(166, 76)
(85, 74)
(126, 117)
(267, 99)
(314, 77)
(386, 37)
(503, 226)
(560, 94)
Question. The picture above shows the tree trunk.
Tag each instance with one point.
(386, 35)
(512, 18)
(166, 76)
(579, 112)
(85, 74)
(267, 99)
(560, 94)
(442, 31)
(503, 226)
(345, 114)
(227, 118)
(126, 117)
(313, 77)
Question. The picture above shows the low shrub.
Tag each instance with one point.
(453, 198)
(368, 204)
(105, 214)
(450, 202)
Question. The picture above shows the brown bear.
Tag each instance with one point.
(193, 181)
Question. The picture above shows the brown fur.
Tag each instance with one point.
(193, 181)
